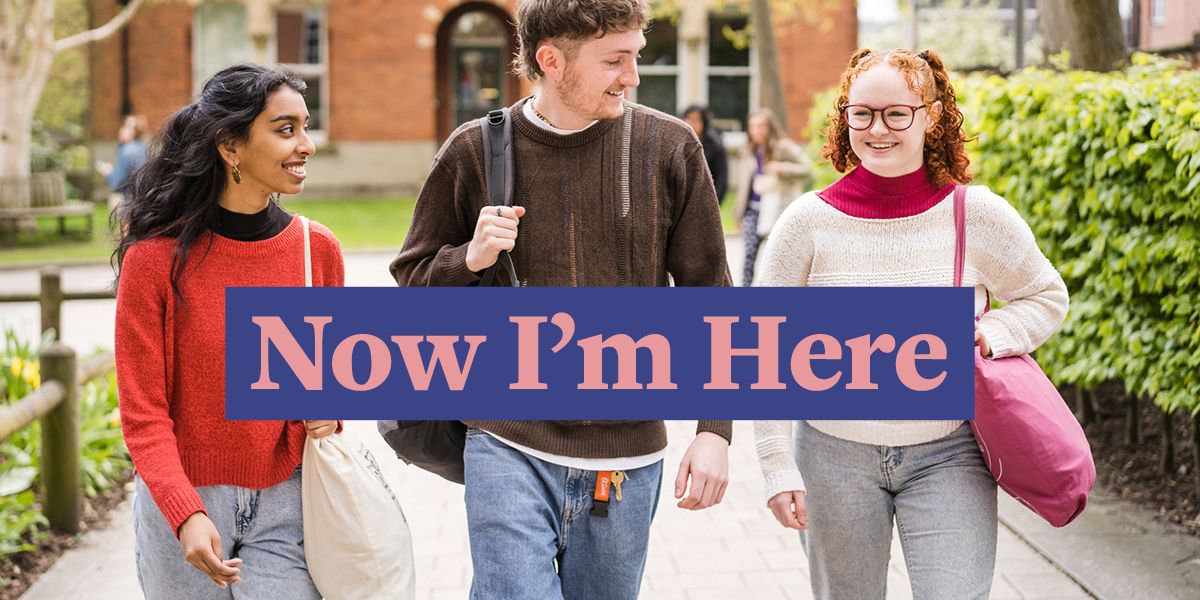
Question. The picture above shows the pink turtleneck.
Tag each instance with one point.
(866, 195)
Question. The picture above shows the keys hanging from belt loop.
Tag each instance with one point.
(600, 496)
(617, 478)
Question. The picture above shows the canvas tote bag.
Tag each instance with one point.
(356, 540)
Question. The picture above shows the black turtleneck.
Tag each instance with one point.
(262, 225)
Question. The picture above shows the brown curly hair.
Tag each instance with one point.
(945, 158)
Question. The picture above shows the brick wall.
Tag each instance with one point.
(160, 65)
(811, 59)
(382, 65)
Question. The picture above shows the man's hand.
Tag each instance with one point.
(320, 429)
(707, 464)
(495, 231)
(202, 547)
(789, 510)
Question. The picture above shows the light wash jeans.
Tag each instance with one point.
(940, 494)
(262, 527)
(525, 517)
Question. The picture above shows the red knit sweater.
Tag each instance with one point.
(171, 364)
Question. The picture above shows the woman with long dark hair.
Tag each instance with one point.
(202, 215)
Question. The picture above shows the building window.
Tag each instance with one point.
(300, 48)
(721, 72)
(220, 39)
(658, 68)
(298, 45)
(729, 72)
(478, 59)
(1158, 12)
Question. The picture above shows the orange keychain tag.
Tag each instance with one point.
(600, 497)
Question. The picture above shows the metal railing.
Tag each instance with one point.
(56, 403)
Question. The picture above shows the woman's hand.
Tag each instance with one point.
(789, 510)
(320, 429)
(202, 547)
(981, 342)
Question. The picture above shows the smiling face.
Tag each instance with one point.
(272, 159)
(881, 150)
(597, 74)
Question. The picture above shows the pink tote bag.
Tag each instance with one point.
(1031, 441)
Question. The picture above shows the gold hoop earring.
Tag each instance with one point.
(237, 175)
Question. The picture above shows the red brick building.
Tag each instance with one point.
(1170, 26)
(389, 79)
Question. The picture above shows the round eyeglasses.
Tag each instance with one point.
(896, 117)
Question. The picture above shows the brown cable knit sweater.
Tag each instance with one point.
(624, 202)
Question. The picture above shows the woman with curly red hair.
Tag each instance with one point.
(889, 222)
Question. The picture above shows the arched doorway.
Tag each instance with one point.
(475, 44)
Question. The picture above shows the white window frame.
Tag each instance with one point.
(321, 69)
(319, 136)
(1158, 12)
(709, 70)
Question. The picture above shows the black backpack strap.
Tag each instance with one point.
(498, 173)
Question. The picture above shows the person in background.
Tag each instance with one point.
(700, 118)
(131, 154)
(772, 173)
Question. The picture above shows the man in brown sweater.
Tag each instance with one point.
(607, 193)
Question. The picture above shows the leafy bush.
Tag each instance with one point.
(1106, 170)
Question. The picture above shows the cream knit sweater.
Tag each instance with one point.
(814, 244)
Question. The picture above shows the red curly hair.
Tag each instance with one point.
(945, 158)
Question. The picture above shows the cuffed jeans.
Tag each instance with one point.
(940, 493)
(264, 528)
(532, 535)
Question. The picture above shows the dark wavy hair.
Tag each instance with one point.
(175, 193)
(945, 157)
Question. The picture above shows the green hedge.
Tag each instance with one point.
(1106, 170)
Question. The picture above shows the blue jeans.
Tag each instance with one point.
(531, 534)
(940, 493)
(262, 527)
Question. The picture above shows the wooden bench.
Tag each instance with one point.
(24, 198)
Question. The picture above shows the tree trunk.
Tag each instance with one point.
(1089, 29)
(1084, 411)
(16, 124)
(1166, 462)
(1196, 456)
(1133, 421)
(770, 79)
(27, 49)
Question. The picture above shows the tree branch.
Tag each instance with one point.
(101, 32)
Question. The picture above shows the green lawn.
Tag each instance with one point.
(360, 224)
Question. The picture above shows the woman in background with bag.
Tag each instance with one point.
(218, 502)
(891, 222)
(771, 174)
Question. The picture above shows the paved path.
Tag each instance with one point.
(733, 551)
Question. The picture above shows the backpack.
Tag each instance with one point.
(437, 446)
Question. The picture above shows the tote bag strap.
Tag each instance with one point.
(960, 239)
(307, 253)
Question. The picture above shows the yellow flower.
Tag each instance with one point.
(28, 370)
